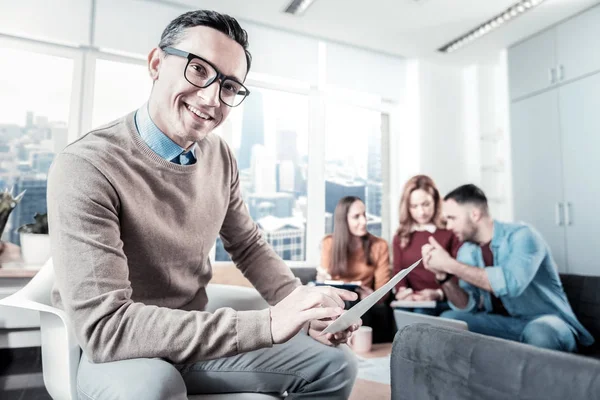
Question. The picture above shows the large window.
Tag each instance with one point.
(353, 161)
(269, 134)
(35, 97)
(119, 88)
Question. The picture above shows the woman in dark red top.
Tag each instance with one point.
(420, 218)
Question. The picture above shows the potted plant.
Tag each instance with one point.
(7, 205)
(35, 241)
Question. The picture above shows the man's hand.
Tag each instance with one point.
(435, 258)
(427, 295)
(306, 304)
(330, 339)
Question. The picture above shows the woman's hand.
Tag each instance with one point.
(322, 275)
(363, 292)
(404, 293)
(427, 295)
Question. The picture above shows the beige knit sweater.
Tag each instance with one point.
(131, 233)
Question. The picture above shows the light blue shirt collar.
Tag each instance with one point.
(160, 143)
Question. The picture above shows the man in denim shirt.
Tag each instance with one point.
(508, 284)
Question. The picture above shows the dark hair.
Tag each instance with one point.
(342, 238)
(221, 22)
(425, 183)
(469, 194)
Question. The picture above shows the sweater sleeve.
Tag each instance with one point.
(241, 237)
(92, 278)
(382, 265)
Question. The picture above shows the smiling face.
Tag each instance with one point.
(357, 219)
(185, 113)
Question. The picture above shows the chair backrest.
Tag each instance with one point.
(60, 351)
(39, 288)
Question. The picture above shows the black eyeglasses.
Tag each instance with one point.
(202, 73)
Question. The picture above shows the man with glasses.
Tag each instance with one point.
(135, 207)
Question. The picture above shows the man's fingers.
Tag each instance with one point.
(434, 242)
(345, 294)
(321, 298)
(321, 312)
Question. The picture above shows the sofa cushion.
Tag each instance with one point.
(583, 293)
(433, 362)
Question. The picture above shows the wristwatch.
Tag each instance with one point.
(446, 279)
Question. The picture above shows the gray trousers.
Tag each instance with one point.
(302, 367)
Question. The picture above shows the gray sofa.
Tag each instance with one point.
(431, 362)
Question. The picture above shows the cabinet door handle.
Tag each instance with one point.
(568, 209)
(552, 75)
(559, 214)
(561, 73)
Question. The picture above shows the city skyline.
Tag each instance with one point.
(276, 173)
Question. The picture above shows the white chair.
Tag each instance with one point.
(61, 353)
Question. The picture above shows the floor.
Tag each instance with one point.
(21, 376)
(368, 389)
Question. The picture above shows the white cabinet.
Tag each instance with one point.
(537, 169)
(558, 55)
(580, 133)
(555, 140)
(531, 64)
(578, 45)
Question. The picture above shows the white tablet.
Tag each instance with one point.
(352, 316)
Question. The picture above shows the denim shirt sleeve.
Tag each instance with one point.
(465, 255)
(517, 270)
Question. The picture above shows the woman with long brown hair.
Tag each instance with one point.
(421, 218)
(352, 254)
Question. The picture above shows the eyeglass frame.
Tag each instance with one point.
(219, 77)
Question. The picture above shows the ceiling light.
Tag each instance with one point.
(297, 7)
(489, 25)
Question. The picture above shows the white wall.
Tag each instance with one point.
(428, 130)
(487, 133)
(443, 155)
(437, 130)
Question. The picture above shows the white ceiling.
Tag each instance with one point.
(407, 28)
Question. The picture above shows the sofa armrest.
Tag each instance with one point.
(430, 362)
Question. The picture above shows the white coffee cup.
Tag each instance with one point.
(361, 340)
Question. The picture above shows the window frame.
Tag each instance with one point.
(80, 121)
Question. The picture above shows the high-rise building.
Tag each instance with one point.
(286, 176)
(374, 157)
(9, 132)
(264, 175)
(40, 161)
(336, 188)
(29, 119)
(276, 204)
(33, 202)
(285, 235)
(374, 197)
(60, 135)
(253, 129)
